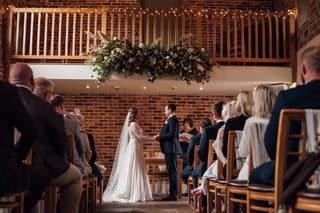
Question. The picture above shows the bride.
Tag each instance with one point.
(129, 181)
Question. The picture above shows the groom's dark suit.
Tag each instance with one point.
(169, 144)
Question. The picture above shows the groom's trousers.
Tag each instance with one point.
(172, 165)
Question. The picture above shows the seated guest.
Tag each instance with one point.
(306, 96)
(49, 152)
(243, 107)
(254, 129)
(91, 154)
(14, 175)
(194, 140)
(228, 111)
(209, 132)
(72, 127)
(92, 161)
(185, 135)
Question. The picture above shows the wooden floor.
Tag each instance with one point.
(156, 206)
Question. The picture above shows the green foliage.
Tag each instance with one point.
(184, 63)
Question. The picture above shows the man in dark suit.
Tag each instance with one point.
(169, 144)
(14, 175)
(49, 151)
(208, 133)
(72, 127)
(194, 140)
(306, 96)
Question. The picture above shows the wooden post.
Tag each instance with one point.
(148, 29)
(198, 29)
(104, 21)
(7, 56)
(293, 50)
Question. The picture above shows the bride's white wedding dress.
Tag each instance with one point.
(129, 181)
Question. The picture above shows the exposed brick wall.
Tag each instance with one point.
(308, 21)
(285, 4)
(105, 114)
(229, 4)
(76, 3)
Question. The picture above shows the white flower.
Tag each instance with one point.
(114, 38)
(141, 45)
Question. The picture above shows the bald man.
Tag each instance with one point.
(49, 160)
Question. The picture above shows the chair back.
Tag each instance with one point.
(196, 157)
(287, 116)
(210, 152)
(232, 170)
(256, 143)
(72, 148)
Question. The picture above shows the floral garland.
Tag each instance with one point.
(121, 56)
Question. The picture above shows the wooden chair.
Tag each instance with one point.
(237, 189)
(72, 148)
(269, 194)
(100, 192)
(51, 195)
(211, 186)
(89, 186)
(232, 171)
(198, 199)
(15, 200)
(92, 192)
(307, 201)
(192, 198)
(152, 167)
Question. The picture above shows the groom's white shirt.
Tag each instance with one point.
(169, 118)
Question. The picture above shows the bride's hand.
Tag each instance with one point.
(156, 137)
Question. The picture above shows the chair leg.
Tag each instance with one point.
(20, 199)
(209, 201)
(248, 203)
(230, 204)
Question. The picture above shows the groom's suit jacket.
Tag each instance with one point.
(169, 137)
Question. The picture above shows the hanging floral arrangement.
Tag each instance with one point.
(121, 56)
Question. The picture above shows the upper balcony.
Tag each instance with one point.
(232, 37)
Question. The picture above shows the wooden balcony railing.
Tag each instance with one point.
(230, 36)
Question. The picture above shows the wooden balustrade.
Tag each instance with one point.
(230, 36)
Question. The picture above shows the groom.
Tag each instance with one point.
(169, 144)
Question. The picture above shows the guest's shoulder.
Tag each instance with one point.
(6, 85)
(256, 120)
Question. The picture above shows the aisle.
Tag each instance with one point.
(180, 206)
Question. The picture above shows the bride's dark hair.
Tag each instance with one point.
(133, 114)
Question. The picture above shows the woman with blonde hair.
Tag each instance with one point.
(244, 108)
(254, 129)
